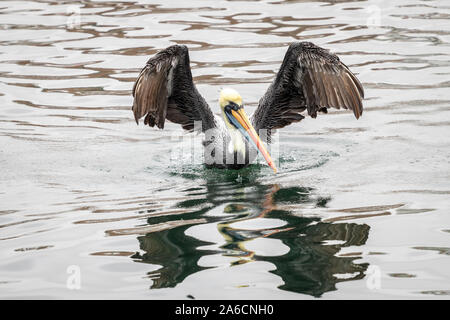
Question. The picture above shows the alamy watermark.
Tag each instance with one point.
(221, 147)
(373, 281)
(374, 18)
(74, 19)
(73, 281)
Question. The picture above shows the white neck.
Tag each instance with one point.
(237, 143)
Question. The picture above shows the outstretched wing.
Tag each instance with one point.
(312, 79)
(165, 90)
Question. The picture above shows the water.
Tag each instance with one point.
(358, 210)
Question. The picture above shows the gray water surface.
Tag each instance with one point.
(359, 209)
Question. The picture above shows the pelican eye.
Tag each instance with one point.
(232, 106)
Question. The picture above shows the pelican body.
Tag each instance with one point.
(310, 79)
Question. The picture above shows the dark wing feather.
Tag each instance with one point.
(312, 79)
(164, 90)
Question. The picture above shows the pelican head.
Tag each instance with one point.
(235, 117)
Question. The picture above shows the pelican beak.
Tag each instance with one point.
(239, 119)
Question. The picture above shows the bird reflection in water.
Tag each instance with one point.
(311, 265)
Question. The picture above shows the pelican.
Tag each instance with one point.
(310, 79)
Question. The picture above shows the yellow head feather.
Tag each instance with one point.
(237, 142)
(228, 94)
